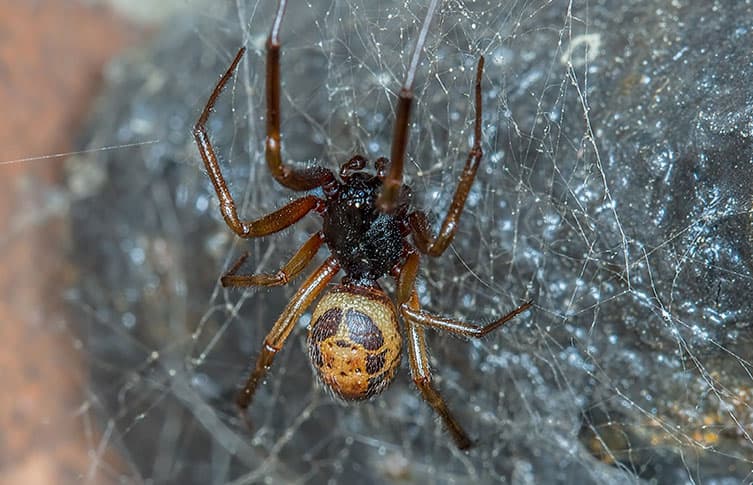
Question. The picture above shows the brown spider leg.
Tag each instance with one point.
(425, 241)
(295, 265)
(276, 337)
(459, 327)
(394, 179)
(293, 178)
(417, 353)
(274, 222)
(389, 197)
(408, 273)
(227, 205)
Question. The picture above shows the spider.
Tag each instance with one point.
(354, 340)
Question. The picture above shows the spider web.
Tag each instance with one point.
(614, 192)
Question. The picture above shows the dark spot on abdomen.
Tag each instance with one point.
(362, 330)
(374, 363)
(315, 354)
(376, 385)
(326, 326)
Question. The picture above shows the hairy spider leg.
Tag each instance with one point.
(293, 178)
(424, 240)
(417, 354)
(459, 327)
(290, 270)
(275, 339)
(276, 221)
(415, 320)
(388, 198)
(387, 201)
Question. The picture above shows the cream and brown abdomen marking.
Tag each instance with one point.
(354, 341)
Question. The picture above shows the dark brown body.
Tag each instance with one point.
(366, 242)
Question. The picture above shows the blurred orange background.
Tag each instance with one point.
(51, 59)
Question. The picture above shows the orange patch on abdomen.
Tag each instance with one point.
(344, 368)
(354, 342)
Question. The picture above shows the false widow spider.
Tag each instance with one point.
(354, 339)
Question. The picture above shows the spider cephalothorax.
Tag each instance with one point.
(367, 242)
(368, 223)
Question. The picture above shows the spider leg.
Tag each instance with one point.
(293, 178)
(415, 320)
(295, 265)
(459, 327)
(266, 225)
(276, 337)
(418, 355)
(394, 179)
(425, 241)
(390, 195)
(276, 221)
(227, 204)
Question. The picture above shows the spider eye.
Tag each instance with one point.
(354, 341)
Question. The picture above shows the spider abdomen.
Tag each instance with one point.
(354, 341)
